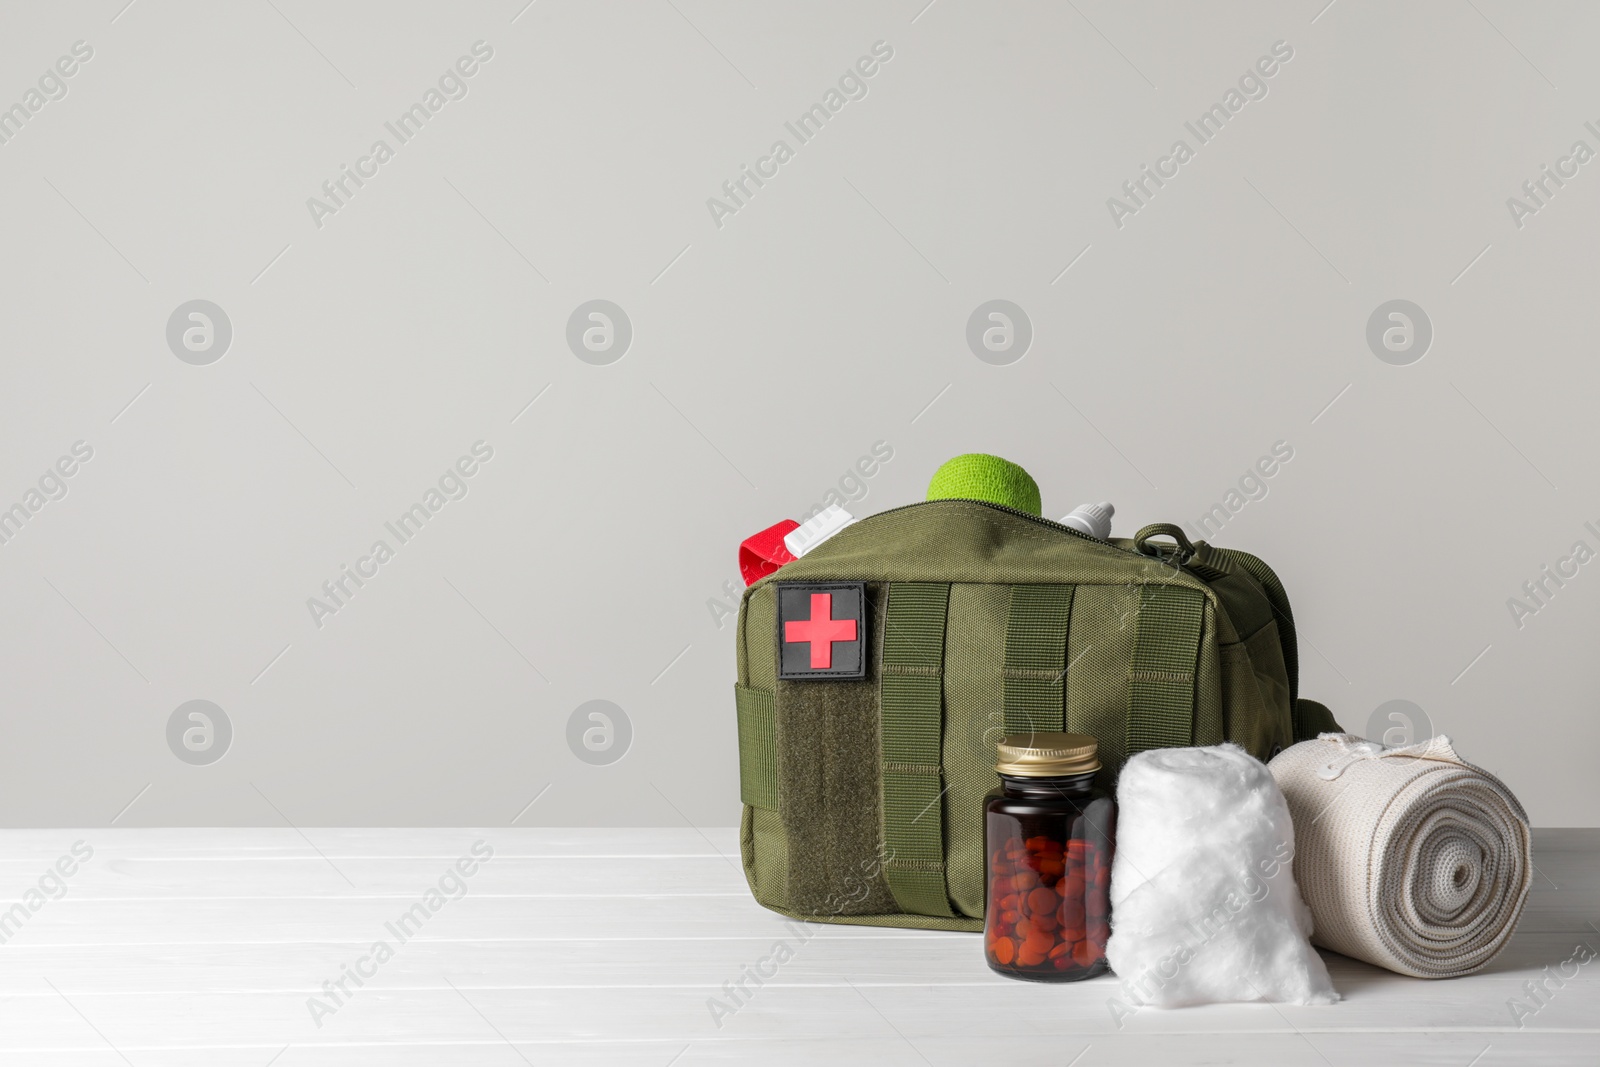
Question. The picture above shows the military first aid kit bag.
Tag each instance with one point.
(877, 672)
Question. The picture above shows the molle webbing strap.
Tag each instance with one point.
(758, 748)
(1161, 682)
(1036, 658)
(911, 698)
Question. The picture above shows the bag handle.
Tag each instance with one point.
(1181, 552)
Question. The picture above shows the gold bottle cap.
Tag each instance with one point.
(1047, 754)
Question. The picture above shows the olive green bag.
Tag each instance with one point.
(864, 796)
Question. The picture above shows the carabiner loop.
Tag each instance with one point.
(1181, 552)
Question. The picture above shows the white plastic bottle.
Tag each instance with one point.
(1091, 519)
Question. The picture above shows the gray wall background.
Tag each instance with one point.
(768, 354)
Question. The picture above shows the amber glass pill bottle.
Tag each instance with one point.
(1048, 836)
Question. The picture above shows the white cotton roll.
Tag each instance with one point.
(1204, 907)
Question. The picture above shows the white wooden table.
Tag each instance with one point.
(205, 947)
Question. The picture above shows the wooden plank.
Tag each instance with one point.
(999, 1047)
(73, 920)
(577, 960)
(87, 920)
(408, 878)
(932, 1015)
(1279, 1050)
(337, 842)
(694, 920)
(447, 843)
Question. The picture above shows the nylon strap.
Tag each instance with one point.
(1161, 674)
(758, 748)
(911, 699)
(1036, 658)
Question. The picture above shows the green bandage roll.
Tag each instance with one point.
(976, 476)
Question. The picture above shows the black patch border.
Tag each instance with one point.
(827, 674)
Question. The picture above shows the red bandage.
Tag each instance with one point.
(761, 554)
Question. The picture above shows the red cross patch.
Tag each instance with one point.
(822, 630)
